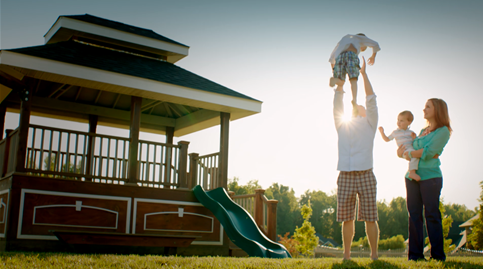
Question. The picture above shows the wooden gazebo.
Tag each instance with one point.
(60, 186)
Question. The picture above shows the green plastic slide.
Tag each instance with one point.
(239, 224)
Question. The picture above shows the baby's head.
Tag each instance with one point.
(404, 119)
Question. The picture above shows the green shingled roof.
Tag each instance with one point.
(124, 63)
(122, 27)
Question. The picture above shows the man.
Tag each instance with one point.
(356, 179)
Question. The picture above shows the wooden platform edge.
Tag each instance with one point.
(117, 239)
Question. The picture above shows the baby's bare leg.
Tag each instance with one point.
(353, 82)
(413, 175)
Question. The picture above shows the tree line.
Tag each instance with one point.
(393, 215)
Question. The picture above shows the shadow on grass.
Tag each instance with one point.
(453, 264)
(355, 265)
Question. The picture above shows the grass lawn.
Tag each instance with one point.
(56, 260)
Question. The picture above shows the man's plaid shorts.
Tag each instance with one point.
(346, 63)
(353, 185)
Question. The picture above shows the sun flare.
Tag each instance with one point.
(346, 117)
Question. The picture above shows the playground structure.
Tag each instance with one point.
(69, 190)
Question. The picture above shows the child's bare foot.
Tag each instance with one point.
(413, 175)
(335, 81)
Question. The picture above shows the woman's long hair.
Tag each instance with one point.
(441, 114)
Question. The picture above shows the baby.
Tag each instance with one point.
(404, 136)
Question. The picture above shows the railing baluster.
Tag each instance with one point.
(154, 164)
(32, 151)
(41, 149)
(75, 153)
(114, 169)
(100, 159)
(57, 155)
(108, 156)
(84, 157)
(146, 179)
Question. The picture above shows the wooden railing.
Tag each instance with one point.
(68, 154)
(204, 171)
(163, 165)
(263, 211)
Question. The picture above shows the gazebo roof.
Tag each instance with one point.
(121, 27)
(127, 64)
(76, 78)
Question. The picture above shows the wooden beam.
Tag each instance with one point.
(223, 160)
(150, 105)
(117, 100)
(133, 170)
(98, 96)
(56, 90)
(11, 82)
(59, 107)
(195, 117)
(78, 93)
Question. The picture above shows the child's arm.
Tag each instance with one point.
(372, 59)
(384, 137)
(413, 135)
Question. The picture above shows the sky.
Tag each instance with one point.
(277, 52)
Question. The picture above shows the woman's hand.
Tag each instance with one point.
(406, 156)
(400, 151)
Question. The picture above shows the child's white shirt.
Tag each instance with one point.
(357, 41)
(403, 137)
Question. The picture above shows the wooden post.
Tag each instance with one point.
(183, 164)
(259, 208)
(93, 119)
(169, 155)
(133, 171)
(223, 161)
(193, 181)
(6, 153)
(3, 114)
(272, 219)
(169, 135)
(23, 128)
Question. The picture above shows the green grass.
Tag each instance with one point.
(55, 260)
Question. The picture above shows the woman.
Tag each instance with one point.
(425, 193)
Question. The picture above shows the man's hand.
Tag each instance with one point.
(363, 67)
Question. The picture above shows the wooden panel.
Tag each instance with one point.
(43, 211)
(173, 217)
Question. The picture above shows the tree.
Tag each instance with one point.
(287, 209)
(249, 188)
(476, 236)
(323, 213)
(289, 243)
(305, 235)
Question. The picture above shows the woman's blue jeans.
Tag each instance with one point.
(425, 195)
